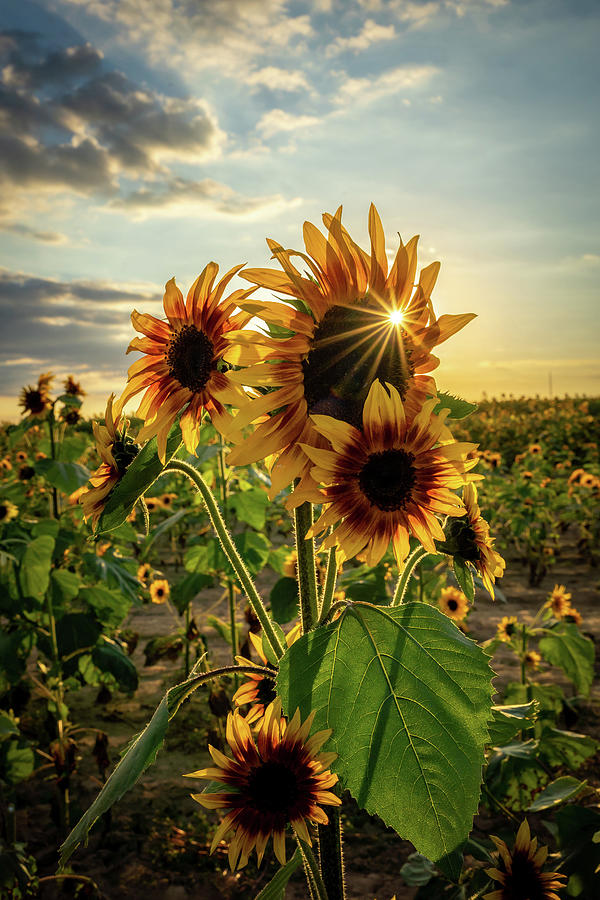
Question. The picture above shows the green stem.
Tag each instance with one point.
(187, 639)
(413, 560)
(230, 550)
(53, 455)
(307, 576)
(329, 586)
(332, 858)
(60, 724)
(313, 873)
(230, 590)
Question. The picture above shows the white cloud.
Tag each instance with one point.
(371, 33)
(365, 90)
(277, 120)
(277, 79)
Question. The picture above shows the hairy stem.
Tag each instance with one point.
(329, 586)
(307, 577)
(413, 560)
(230, 590)
(332, 857)
(231, 552)
(313, 874)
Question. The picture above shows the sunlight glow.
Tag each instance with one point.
(396, 317)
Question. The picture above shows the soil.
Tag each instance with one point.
(155, 842)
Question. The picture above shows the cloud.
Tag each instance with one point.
(183, 194)
(277, 120)
(371, 33)
(26, 231)
(276, 79)
(61, 66)
(366, 90)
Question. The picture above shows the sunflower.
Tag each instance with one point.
(388, 481)
(6, 465)
(351, 321)
(183, 366)
(70, 416)
(470, 539)
(573, 615)
(507, 628)
(117, 451)
(8, 511)
(143, 573)
(166, 500)
(153, 503)
(21, 456)
(520, 875)
(35, 400)
(160, 590)
(453, 603)
(559, 601)
(73, 388)
(26, 473)
(532, 659)
(278, 780)
(535, 449)
(259, 691)
(527, 475)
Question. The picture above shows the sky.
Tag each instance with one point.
(140, 139)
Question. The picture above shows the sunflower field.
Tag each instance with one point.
(299, 624)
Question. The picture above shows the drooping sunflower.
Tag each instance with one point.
(351, 321)
(559, 601)
(73, 387)
(507, 628)
(388, 481)
(520, 874)
(160, 590)
(8, 511)
(117, 451)
(278, 780)
(143, 573)
(259, 691)
(573, 615)
(470, 539)
(453, 603)
(184, 366)
(36, 400)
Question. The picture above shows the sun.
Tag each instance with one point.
(396, 316)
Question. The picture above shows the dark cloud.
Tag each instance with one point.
(59, 67)
(179, 192)
(82, 168)
(26, 231)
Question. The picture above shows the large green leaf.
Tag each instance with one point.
(507, 721)
(566, 647)
(34, 573)
(110, 658)
(459, 408)
(66, 476)
(249, 506)
(564, 788)
(284, 600)
(407, 696)
(139, 477)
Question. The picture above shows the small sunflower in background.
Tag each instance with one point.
(532, 659)
(153, 504)
(535, 449)
(21, 456)
(278, 780)
(520, 874)
(559, 601)
(166, 500)
(6, 465)
(573, 615)
(72, 387)
(160, 590)
(143, 573)
(36, 400)
(8, 511)
(353, 319)
(116, 451)
(453, 603)
(507, 628)
(26, 473)
(183, 367)
(388, 481)
(259, 691)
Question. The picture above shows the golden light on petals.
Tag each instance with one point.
(274, 780)
(519, 871)
(184, 367)
(392, 479)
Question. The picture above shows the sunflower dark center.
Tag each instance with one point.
(3, 512)
(387, 479)
(351, 347)
(124, 451)
(524, 883)
(190, 358)
(35, 401)
(273, 787)
(452, 605)
(463, 540)
(26, 473)
(265, 691)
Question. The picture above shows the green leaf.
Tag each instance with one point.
(407, 696)
(507, 721)
(73, 447)
(566, 647)
(185, 590)
(222, 628)
(140, 754)
(565, 788)
(113, 570)
(139, 477)
(249, 506)
(417, 870)
(204, 558)
(17, 761)
(284, 600)
(161, 529)
(464, 577)
(65, 585)
(566, 748)
(110, 606)
(110, 658)
(275, 889)
(16, 432)
(8, 725)
(76, 631)
(253, 548)
(34, 573)
(65, 476)
(459, 409)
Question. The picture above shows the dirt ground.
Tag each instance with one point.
(154, 843)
